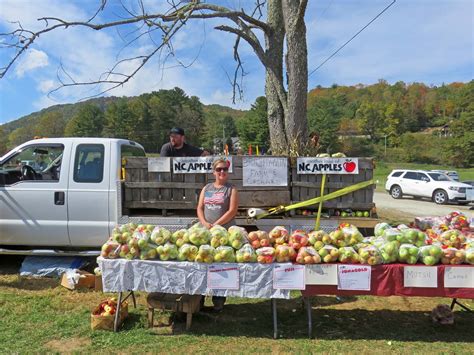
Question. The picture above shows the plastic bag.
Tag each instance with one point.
(258, 239)
(237, 237)
(224, 254)
(284, 253)
(348, 255)
(219, 236)
(298, 239)
(140, 238)
(205, 254)
(389, 252)
(168, 251)
(122, 233)
(246, 254)
(370, 255)
(380, 228)
(470, 256)
(408, 254)
(413, 236)
(308, 255)
(279, 235)
(265, 255)
(318, 239)
(453, 256)
(187, 252)
(199, 235)
(110, 249)
(430, 254)
(452, 238)
(160, 235)
(148, 253)
(457, 220)
(180, 237)
(352, 235)
(329, 253)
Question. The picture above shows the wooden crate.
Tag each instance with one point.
(308, 186)
(156, 190)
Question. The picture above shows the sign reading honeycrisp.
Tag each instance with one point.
(327, 165)
(196, 165)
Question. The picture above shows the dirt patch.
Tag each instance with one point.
(68, 345)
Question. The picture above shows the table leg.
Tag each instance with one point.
(134, 300)
(117, 312)
(275, 319)
(310, 318)
(189, 320)
(455, 302)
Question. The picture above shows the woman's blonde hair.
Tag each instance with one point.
(217, 162)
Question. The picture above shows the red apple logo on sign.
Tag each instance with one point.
(349, 166)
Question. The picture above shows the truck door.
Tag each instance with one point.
(88, 203)
(33, 196)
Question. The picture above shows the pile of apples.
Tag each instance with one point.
(107, 307)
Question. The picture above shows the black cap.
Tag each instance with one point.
(177, 130)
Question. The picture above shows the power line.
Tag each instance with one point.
(354, 36)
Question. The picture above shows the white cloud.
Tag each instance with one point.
(33, 59)
(46, 86)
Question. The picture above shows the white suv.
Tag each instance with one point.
(437, 186)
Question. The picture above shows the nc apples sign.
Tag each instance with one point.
(327, 165)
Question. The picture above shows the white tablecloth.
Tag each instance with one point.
(120, 275)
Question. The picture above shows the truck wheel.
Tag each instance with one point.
(396, 192)
(440, 197)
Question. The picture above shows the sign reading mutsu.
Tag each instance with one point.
(327, 165)
(196, 165)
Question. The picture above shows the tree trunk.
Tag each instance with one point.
(274, 78)
(297, 73)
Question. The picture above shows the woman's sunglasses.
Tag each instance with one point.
(219, 170)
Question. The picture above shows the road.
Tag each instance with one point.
(407, 208)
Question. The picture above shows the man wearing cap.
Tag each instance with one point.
(177, 147)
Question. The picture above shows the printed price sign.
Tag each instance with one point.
(288, 277)
(462, 277)
(196, 165)
(354, 277)
(327, 166)
(159, 165)
(420, 276)
(321, 274)
(223, 277)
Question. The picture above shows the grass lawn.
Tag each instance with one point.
(382, 170)
(37, 315)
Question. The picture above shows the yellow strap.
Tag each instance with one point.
(318, 216)
(335, 194)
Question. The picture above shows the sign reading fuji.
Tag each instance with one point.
(327, 165)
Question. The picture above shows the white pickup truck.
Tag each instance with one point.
(61, 192)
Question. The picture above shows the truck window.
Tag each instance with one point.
(89, 163)
(131, 151)
(41, 162)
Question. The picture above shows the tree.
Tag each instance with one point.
(460, 147)
(284, 28)
(51, 124)
(3, 141)
(88, 122)
(19, 136)
(119, 123)
(253, 127)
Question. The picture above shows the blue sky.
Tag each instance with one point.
(430, 41)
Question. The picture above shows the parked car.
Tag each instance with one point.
(451, 173)
(435, 185)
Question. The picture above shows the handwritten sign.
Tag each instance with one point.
(196, 165)
(354, 277)
(288, 277)
(420, 276)
(264, 171)
(159, 165)
(458, 277)
(324, 274)
(223, 276)
(327, 166)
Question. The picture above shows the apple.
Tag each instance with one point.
(298, 239)
(246, 254)
(265, 255)
(329, 254)
(205, 254)
(430, 254)
(187, 252)
(279, 235)
(366, 214)
(408, 253)
(284, 254)
(452, 238)
(180, 237)
(370, 255)
(224, 254)
(237, 237)
(348, 255)
(316, 236)
(389, 252)
(307, 255)
(470, 256)
(198, 235)
(453, 256)
(160, 235)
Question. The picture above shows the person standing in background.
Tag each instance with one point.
(177, 146)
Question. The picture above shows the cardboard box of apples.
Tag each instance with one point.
(103, 316)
